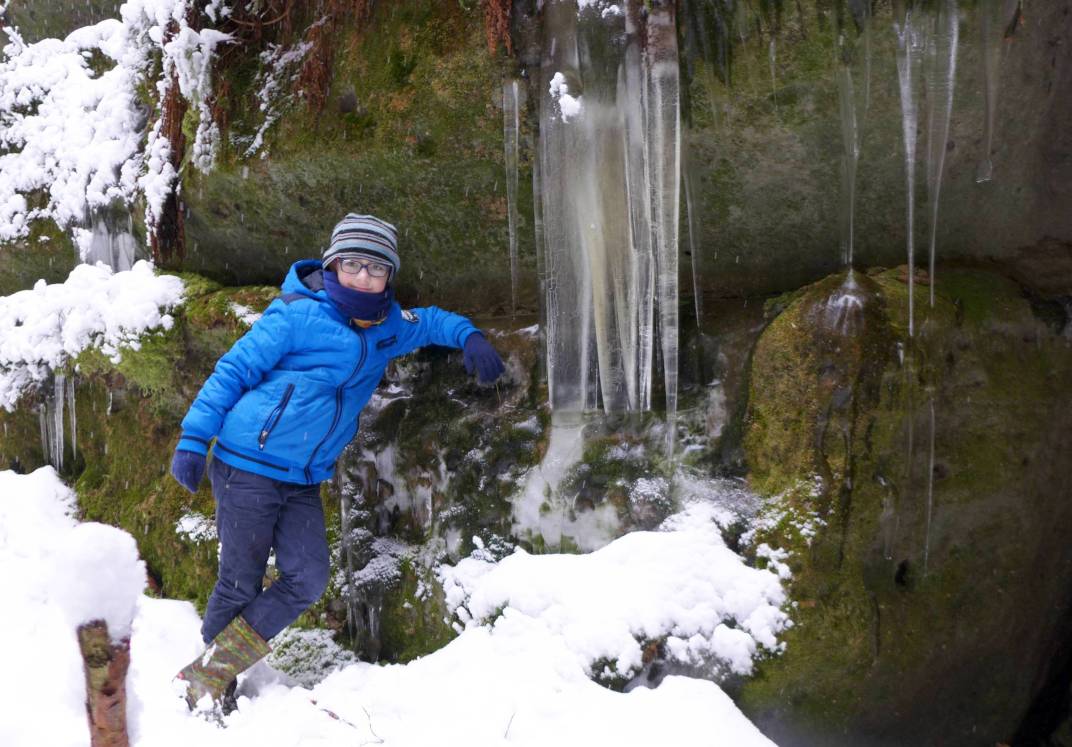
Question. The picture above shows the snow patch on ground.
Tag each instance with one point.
(680, 583)
(521, 679)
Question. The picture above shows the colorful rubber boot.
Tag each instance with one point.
(233, 651)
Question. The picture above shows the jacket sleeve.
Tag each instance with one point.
(238, 371)
(433, 326)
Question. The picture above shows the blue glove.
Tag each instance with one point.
(480, 356)
(188, 468)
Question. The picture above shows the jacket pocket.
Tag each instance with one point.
(274, 417)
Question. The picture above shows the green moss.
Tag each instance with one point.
(422, 147)
(126, 452)
(908, 550)
(46, 253)
(128, 417)
(413, 625)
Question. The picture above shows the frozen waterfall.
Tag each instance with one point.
(609, 170)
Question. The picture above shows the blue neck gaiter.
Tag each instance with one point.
(355, 304)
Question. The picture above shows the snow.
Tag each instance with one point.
(521, 679)
(568, 105)
(280, 66)
(245, 314)
(56, 574)
(65, 130)
(76, 134)
(43, 328)
(196, 527)
(683, 583)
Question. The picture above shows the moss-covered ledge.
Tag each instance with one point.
(127, 416)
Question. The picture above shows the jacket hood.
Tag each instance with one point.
(306, 277)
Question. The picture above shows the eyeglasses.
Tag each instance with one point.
(355, 266)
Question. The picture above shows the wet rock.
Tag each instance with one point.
(936, 585)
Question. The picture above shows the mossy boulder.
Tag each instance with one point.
(916, 481)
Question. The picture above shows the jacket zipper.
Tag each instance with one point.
(250, 459)
(338, 408)
(277, 413)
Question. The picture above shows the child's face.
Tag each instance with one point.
(360, 281)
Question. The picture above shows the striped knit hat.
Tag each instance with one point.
(364, 236)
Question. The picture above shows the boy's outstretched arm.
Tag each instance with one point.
(432, 325)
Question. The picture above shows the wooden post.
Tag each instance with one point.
(106, 696)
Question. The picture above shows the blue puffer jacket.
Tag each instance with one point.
(285, 399)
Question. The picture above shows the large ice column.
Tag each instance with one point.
(51, 420)
(109, 238)
(606, 233)
(939, 73)
(609, 191)
(633, 100)
(566, 195)
(664, 122)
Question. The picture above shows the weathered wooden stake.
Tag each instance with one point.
(106, 696)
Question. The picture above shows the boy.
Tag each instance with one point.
(282, 404)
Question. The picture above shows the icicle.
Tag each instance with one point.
(565, 183)
(665, 152)
(909, 51)
(74, 417)
(939, 71)
(511, 126)
(541, 264)
(54, 422)
(352, 610)
(42, 420)
(772, 59)
(930, 487)
(994, 18)
(850, 141)
(688, 174)
(867, 57)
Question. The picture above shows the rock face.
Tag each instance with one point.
(411, 130)
(429, 475)
(410, 127)
(933, 597)
(765, 152)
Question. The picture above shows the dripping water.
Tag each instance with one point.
(939, 71)
(850, 140)
(909, 52)
(688, 176)
(511, 126)
(930, 486)
(994, 17)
